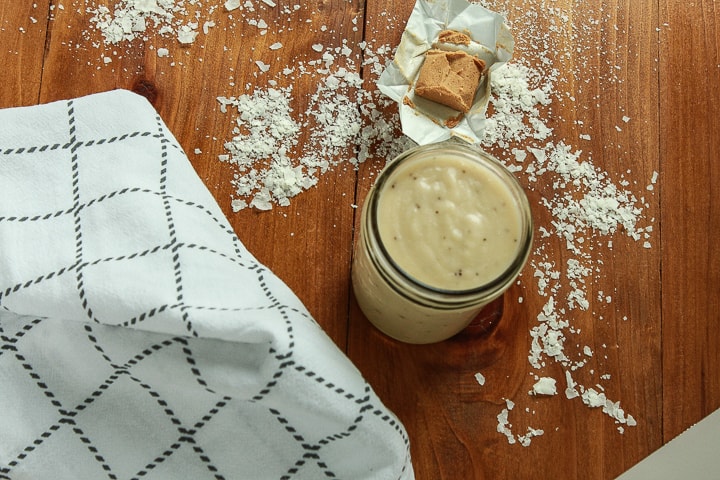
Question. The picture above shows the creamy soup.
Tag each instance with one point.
(449, 222)
(446, 232)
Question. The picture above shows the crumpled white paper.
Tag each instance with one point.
(425, 121)
(139, 338)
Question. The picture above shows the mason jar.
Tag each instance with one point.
(445, 230)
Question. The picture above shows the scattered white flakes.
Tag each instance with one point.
(547, 337)
(586, 205)
(480, 378)
(207, 26)
(231, 5)
(186, 35)
(276, 46)
(600, 209)
(318, 47)
(653, 180)
(163, 52)
(262, 66)
(514, 102)
(544, 386)
(269, 3)
(272, 167)
(594, 399)
(107, 60)
(531, 432)
(520, 155)
(129, 19)
(571, 390)
(505, 427)
(262, 201)
(271, 132)
(238, 204)
(198, 151)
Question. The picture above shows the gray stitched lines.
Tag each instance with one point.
(177, 270)
(139, 318)
(185, 434)
(73, 417)
(71, 145)
(147, 342)
(76, 214)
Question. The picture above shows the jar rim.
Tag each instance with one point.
(465, 150)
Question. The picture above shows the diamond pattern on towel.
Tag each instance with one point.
(139, 338)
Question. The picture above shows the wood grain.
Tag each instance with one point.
(689, 150)
(23, 43)
(453, 420)
(635, 89)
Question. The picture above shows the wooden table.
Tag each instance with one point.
(637, 90)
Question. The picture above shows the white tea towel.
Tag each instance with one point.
(139, 338)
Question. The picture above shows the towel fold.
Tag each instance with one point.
(139, 338)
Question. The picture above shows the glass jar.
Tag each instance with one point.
(445, 230)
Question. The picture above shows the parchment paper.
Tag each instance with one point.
(425, 121)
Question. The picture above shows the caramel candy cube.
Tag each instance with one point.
(453, 36)
(449, 78)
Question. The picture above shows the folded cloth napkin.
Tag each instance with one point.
(139, 338)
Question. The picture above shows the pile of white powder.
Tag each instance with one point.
(588, 206)
(128, 20)
(272, 165)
